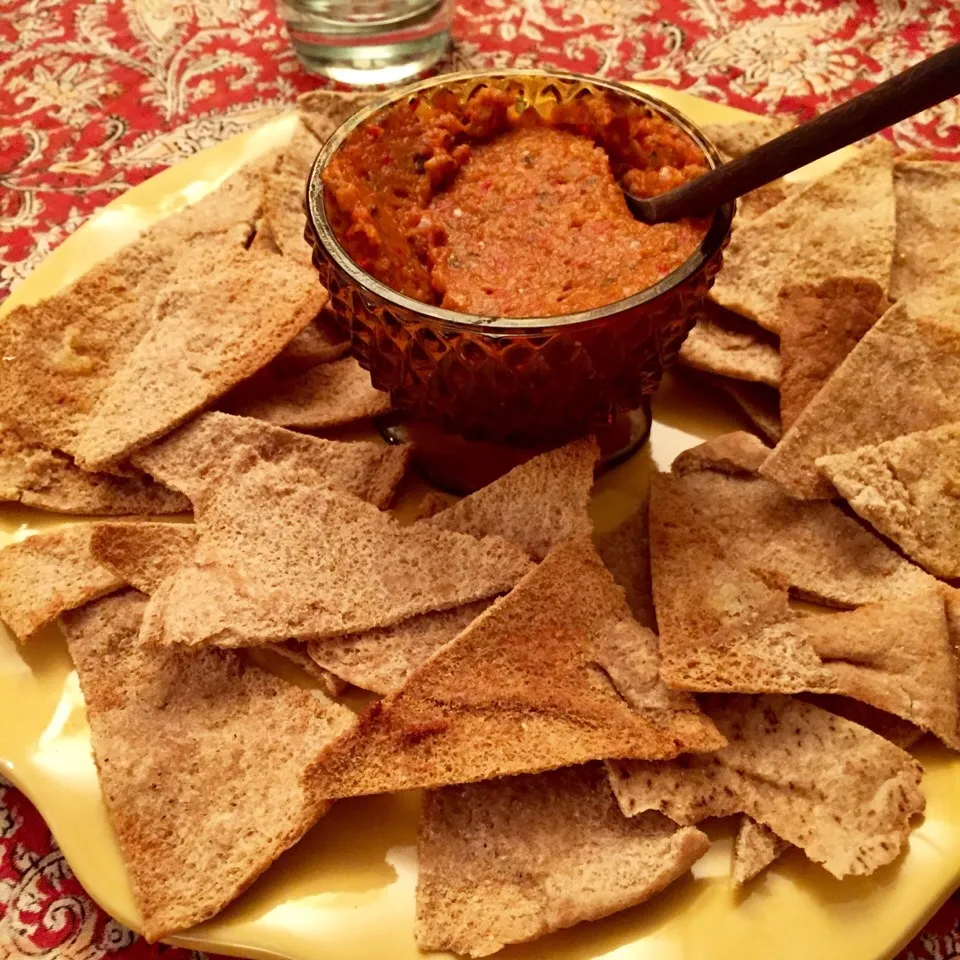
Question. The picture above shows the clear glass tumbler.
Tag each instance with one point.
(366, 42)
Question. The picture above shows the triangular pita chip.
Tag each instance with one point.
(281, 557)
(754, 849)
(381, 660)
(208, 332)
(733, 453)
(536, 505)
(727, 344)
(48, 573)
(819, 325)
(194, 457)
(327, 395)
(510, 860)
(845, 217)
(526, 687)
(909, 490)
(839, 792)
(926, 263)
(143, 555)
(37, 476)
(324, 110)
(902, 377)
(625, 552)
(200, 757)
(901, 732)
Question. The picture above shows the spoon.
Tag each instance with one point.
(917, 88)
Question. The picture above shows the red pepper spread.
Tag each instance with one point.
(490, 209)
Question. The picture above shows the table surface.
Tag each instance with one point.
(96, 97)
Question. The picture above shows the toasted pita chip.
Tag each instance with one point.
(839, 792)
(194, 457)
(901, 732)
(62, 351)
(625, 552)
(225, 813)
(926, 263)
(759, 402)
(327, 395)
(909, 490)
(513, 859)
(811, 547)
(381, 660)
(732, 346)
(819, 325)
(754, 849)
(845, 217)
(36, 476)
(735, 140)
(206, 335)
(324, 110)
(48, 573)
(519, 691)
(902, 377)
(281, 557)
(143, 555)
(319, 342)
(757, 202)
(733, 453)
(536, 505)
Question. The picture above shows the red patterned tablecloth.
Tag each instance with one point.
(98, 96)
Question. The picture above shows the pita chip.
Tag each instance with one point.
(625, 552)
(37, 476)
(926, 263)
(324, 110)
(226, 814)
(754, 849)
(143, 555)
(908, 489)
(732, 453)
(902, 377)
(536, 505)
(729, 345)
(381, 660)
(735, 140)
(510, 860)
(901, 732)
(194, 457)
(760, 403)
(845, 217)
(280, 557)
(842, 794)
(327, 395)
(318, 342)
(819, 325)
(528, 686)
(205, 336)
(48, 573)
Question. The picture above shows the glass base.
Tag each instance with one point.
(459, 466)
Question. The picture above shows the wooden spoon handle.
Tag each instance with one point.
(917, 88)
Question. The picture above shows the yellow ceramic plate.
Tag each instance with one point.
(346, 892)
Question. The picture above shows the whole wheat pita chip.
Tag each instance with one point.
(819, 325)
(327, 395)
(625, 552)
(37, 476)
(926, 262)
(908, 489)
(845, 217)
(324, 110)
(281, 557)
(901, 732)
(510, 860)
(754, 849)
(194, 457)
(206, 335)
(811, 547)
(733, 453)
(735, 140)
(180, 741)
(526, 687)
(902, 377)
(732, 346)
(839, 792)
(143, 555)
(536, 505)
(48, 573)
(381, 660)
(61, 352)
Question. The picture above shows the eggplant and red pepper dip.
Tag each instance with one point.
(485, 208)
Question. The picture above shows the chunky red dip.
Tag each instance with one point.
(487, 208)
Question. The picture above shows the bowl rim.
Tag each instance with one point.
(453, 320)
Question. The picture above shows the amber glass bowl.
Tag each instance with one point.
(531, 381)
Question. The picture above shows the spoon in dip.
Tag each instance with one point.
(924, 85)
